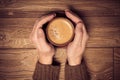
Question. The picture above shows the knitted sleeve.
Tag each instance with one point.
(46, 72)
(78, 72)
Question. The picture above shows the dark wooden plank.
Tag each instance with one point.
(17, 64)
(26, 4)
(99, 62)
(34, 14)
(103, 31)
(22, 8)
(16, 60)
(117, 64)
(20, 63)
(14, 78)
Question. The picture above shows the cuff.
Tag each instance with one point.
(46, 72)
(77, 72)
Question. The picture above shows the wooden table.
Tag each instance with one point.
(18, 55)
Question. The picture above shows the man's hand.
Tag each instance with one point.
(76, 48)
(45, 51)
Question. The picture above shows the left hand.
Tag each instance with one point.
(45, 50)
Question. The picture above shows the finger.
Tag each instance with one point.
(78, 35)
(39, 24)
(85, 36)
(43, 20)
(72, 16)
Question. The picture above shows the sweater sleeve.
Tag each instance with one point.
(78, 72)
(46, 72)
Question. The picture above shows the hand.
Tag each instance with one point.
(76, 48)
(45, 50)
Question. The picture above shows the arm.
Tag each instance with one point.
(46, 72)
(77, 72)
(44, 68)
(75, 69)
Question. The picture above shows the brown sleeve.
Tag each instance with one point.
(46, 72)
(78, 72)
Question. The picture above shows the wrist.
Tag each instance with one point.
(45, 60)
(74, 61)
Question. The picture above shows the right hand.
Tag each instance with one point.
(76, 48)
(45, 51)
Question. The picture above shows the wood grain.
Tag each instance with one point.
(104, 6)
(20, 63)
(17, 53)
(117, 63)
(35, 8)
(103, 31)
(17, 64)
(36, 14)
(100, 63)
(61, 57)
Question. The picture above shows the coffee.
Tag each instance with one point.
(60, 31)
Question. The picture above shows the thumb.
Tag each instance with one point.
(41, 38)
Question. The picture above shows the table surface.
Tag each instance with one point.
(18, 55)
